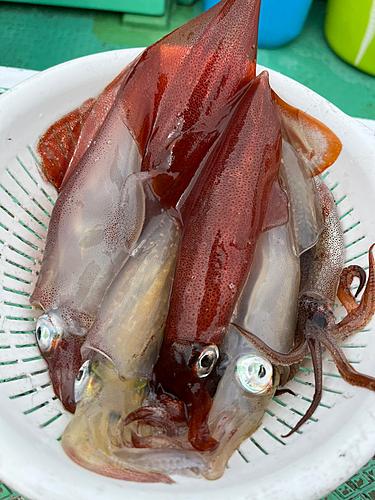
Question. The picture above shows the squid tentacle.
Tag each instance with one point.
(296, 355)
(280, 392)
(360, 316)
(347, 372)
(344, 294)
(174, 407)
(316, 355)
(153, 415)
(158, 442)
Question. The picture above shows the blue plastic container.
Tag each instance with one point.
(209, 3)
(280, 20)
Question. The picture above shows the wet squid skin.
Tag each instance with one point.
(241, 399)
(148, 120)
(95, 224)
(238, 408)
(87, 440)
(174, 99)
(65, 142)
(174, 95)
(129, 326)
(192, 76)
(216, 252)
(322, 278)
(120, 352)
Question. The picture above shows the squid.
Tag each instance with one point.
(240, 402)
(322, 278)
(95, 224)
(248, 380)
(166, 111)
(146, 121)
(119, 355)
(216, 252)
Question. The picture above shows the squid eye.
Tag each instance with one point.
(45, 333)
(254, 373)
(82, 379)
(207, 361)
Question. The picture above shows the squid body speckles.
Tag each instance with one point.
(95, 224)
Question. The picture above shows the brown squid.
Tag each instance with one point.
(322, 277)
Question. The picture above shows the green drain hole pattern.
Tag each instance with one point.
(8, 494)
(360, 487)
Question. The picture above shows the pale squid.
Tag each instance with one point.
(95, 224)
(322, 278)
(250, 380)
(121, 350)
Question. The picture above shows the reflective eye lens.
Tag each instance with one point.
(44, 333)
(82, 380)
(207, 361)
(254, 373)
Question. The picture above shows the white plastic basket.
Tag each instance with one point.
(330, 448)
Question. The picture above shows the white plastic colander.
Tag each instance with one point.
(332, 446)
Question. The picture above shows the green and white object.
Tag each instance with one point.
(308, 465)
(144, 7)
(350, 31)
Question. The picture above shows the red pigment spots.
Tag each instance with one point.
(225, 218)
(56, 146)
(178, 116)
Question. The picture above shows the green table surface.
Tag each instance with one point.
(38, 37)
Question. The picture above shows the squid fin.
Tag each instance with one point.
(94, 120)
(315, 142)
(61, 147)
(277, 210)
(56, 146)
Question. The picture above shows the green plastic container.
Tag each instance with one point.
(145, 7)
(185, 2)
(350, 31)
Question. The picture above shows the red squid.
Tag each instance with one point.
(236, 197)
(167, 124)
